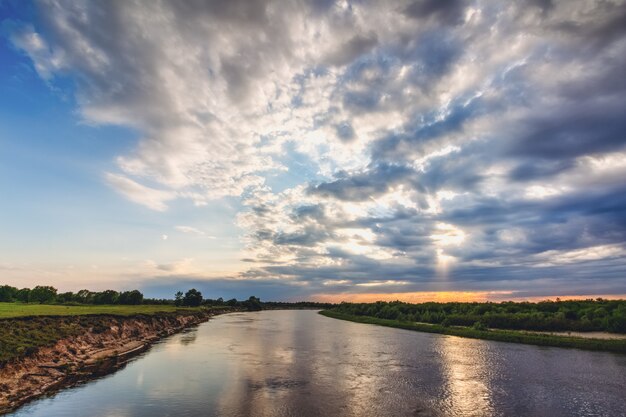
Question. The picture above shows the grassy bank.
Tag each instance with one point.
(13, 310)
(512, 336)
(24, 328)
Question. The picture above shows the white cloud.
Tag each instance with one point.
(193, 231)
(150, 197)
(594, 253)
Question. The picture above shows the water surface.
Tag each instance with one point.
(298, 363)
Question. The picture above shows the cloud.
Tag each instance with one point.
(351, 132)
(358, 45)
(150, 197)
(193, 231)
(449, 12)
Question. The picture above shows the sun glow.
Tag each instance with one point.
(446, 235)
(416, 297)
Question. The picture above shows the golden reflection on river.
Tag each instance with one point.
(466, 389)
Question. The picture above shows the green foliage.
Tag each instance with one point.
(479, 325)
(579, 315)
(7, 293)
(23, 295)
(613, 345)
(48, 295)
(106, 297)
(133, 297)
(253, 304)
(42, 294)
(178, 298)
(193, 298)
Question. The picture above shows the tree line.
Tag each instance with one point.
(192, 298)
(578, 315)
(44, 294)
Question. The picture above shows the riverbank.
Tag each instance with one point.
(42, 355)
(513, 336)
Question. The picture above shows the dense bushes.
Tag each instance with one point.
(584, 315)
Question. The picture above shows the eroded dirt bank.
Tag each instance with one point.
(99, 345)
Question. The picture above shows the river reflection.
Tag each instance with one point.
(467, 371)
(298, 363)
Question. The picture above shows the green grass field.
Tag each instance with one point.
(13, 310)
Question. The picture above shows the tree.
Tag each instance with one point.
(42, 294)
(106, 297)
(479, 325)
(7, 293)
(192, 298)
(84, 296)
(253, 304)
(65, 297)
(23, 295)
(178, 298)
(133, 297)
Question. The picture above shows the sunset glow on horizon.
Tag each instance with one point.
(453, 296)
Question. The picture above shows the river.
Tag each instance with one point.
(298, 363)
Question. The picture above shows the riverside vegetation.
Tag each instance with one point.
(31, 319)
(507, 321)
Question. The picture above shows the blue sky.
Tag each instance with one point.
(323, 150)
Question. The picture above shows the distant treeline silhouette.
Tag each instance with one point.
(581, 315)
(192, 298)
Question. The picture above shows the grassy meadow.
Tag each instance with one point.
(14, 310)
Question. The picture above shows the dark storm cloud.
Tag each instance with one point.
(237, 11)
(446, 12)
(313, 212)
(577, 131)
(599, 29)
(362, 186)
(432, 55)
(309, 236)
(536, 169)
(425, 128)
(345, 132)
(354, 48)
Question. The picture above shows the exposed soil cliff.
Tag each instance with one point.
(98, 345)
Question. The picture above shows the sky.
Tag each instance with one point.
(321, 150)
